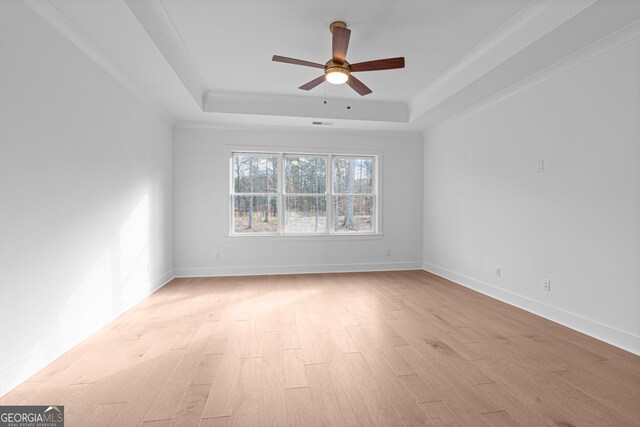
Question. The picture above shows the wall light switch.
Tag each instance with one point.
(497, 271)
(540, 166)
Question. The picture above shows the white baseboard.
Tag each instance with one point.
(20, 371)
(608, 334)
(295, 269)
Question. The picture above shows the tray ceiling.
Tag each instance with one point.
(210, 61)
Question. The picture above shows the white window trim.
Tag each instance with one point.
(281, 152)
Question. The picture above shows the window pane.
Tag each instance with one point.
(255, 214)
(353, 175)
(305, 174)
(306, 214)
(255, 173)
(353, 213)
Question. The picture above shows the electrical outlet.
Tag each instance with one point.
(497, 271)
(540, 166)
(388, 252)
(217, 256)
(546, 285)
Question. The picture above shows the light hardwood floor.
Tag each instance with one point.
(393, 348)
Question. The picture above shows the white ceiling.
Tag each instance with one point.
(232, 41)
(210, 61)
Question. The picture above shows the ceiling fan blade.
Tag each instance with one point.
(294, 61)
(358, 86)
(340, 44)
(379, 64)
(313, 83)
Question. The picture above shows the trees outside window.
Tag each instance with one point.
(302, 187)
(255, 193)
(353, 198)
(305, 194)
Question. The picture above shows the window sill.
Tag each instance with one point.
(302, 237)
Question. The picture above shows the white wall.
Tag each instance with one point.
(85, 196)
(577, 223)
(202, 200)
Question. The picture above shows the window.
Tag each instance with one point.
(255, 193)
(353, 194)
(303, 194)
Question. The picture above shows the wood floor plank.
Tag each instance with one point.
(567, 394)
(323, 396)
(136, 408)
(166, 403)
(377, 402)
(461, 400)
(103, 415)
(121, 382)
(608, 395)
(299, 408)
(290, 337)
(513, 405)
(216, 346)
(215, 422)
(500, 418)
(255, 338)
(246, 408)
(310, 349)
(399, 396)
(157, 423)
(419, 389)
(221, 399)
(272, 402)
(342, 339)
(294, 373)
(438, 414)
(190, 409)
(387, 348)
(442, 354)
(207, 369)
(433, 335)
(354, 410)
(529, 393)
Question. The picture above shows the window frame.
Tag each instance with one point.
(330, 233)
(234, 194)
(373, 194)
(326, 193)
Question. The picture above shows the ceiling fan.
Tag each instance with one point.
(337, 70)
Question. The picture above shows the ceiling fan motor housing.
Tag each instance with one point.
(334, 24)
(331, 66)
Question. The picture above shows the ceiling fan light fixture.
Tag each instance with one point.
(337, 76)
(337, 70)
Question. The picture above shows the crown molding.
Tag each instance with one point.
(530, 24)
(156, 22)
(51, 15)
(295, 129)
(611, 41)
